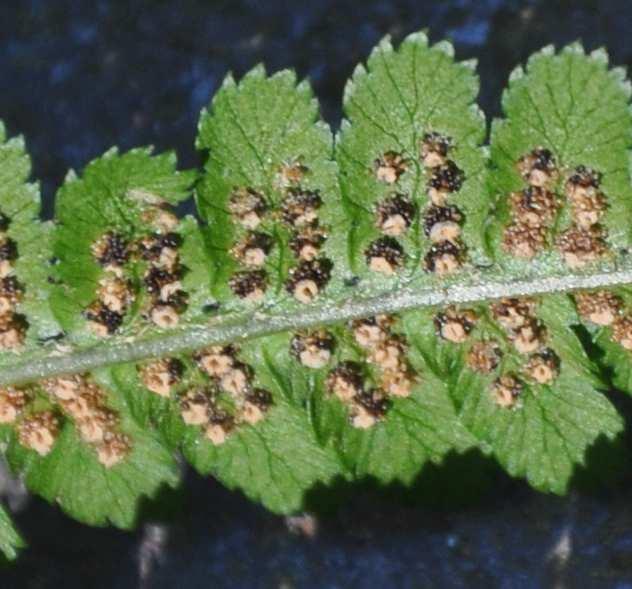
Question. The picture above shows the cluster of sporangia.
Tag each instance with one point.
(299, 212)
(525, 333)
(383, 349)
(202, 406)
(534, 211)
(395, 214)
(12, 325)
(75, 397)
(162, 278)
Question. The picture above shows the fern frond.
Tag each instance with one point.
(10, 540)
(343, 308)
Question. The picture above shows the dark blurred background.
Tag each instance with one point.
(77, 77)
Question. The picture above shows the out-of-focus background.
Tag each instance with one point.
(77, 77)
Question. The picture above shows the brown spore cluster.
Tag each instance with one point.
(84, 402)
(524, 332)
(299, 212)
(455, 325)
(115, 294)
(13, 325)
(606, 309)
(529, 338)
(313, 349)
(442, 222)
(229, 376)
(386, 351)
(394, 215)
(534, 211)
(162, 375)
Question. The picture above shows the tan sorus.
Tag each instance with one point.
(162, 284)
(161, 249)
(389, 354)
(307, 280)
(543, 367)
(300, 207)
(255, 406)
(398, 381)
(599, 307)
(313, 349)
(114, 448)
(444, 258)
(455, 325)
(389, 167)
(367, 408)
(64, 388)
(39, 432)
(249, 285)
(588, 211)
(93, 428)
(506, 390)
(13, 333)
(346, 380)
(384, 255)
(434, 148)
(216, 361)
(247, 207)
(443, 223)
(12, 403)
(528, 337)
(164, 315)
(111, 251)
(484, 356)
(534, 207)
(444, 180)
(307, 242)
(622, 331)
(7, 320)
(588, 203)
(581, 246)
(538, 167)
(85, 404)
(524, 241)
(11, 294)
(513, 313)
(161, 376)
(8, 254)
(253, 249)
(101, 320)
(219, 427)
(394, 215)
(237, 380)
(291, 173)
(195, 406)
(370, 331)
(115, 293)
(161, 218)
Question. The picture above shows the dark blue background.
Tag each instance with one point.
(79, 77)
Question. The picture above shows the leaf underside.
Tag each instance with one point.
(293, 226)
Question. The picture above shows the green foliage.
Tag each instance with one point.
(10, 540)
(335, 312)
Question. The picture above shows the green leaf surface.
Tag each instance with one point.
(275, 461)
(391, 104)
(572, 104)
(546, 435)
(112, 195)
(20, 204)
(71, 475)
(298, 240)
(252, 130)
(10, 540)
